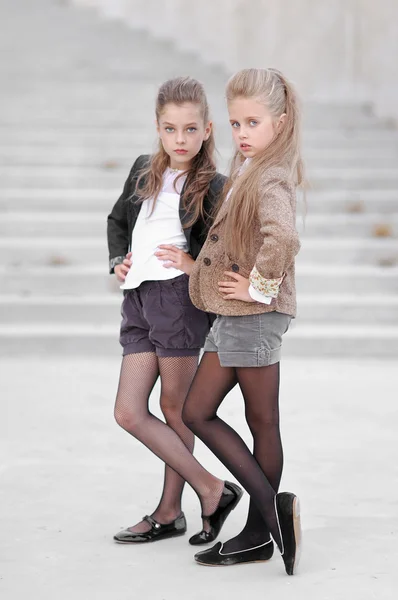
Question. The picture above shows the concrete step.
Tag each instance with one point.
(97, 339)
(154, 66)
(346, 279)
(58, 280)
(62, 177)
(50, 224)
(46, 112)
(115, 84)
(331, 202)
(349, 251)
(358, 225)
(91, 278)
(157, 60)
(89, 118)
(76, 156)
(122, 119)
(79, 224)
(94, 200)
(99, 200)
(50, 308)
(72, 109)
(105, 309)
(121, 136)
(43, 106)
(368, 307)
(106, 55)
(353, 178)
(350, 158)
(121, 157)
(375, 341)
(17, 251)
(65, 177)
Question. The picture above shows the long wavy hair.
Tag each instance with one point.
(203, 168)
(270, 87)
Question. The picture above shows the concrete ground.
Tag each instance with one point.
(70, 478)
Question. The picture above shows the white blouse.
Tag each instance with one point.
(163, 226)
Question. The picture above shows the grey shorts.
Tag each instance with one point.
(159, 317)
(249, 340)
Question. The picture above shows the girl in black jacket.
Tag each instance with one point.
(160, 222)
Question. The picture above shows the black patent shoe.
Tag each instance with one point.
(215, 557)
(287, 508)
(229, 500)
(158, 531)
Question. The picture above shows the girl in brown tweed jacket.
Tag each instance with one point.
(245, 275)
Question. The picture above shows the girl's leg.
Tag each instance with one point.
(176, 375)
(200, 414)
(138, 376)
(262, 415)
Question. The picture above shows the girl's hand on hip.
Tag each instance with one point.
(235, 290)
(122, 269)
(174, 257)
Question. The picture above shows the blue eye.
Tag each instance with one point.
(169, 129)
(191, 129)
(235, 124)
(253, 123)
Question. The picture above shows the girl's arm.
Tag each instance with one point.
(117, 230)
(175, 257)
(281, 242)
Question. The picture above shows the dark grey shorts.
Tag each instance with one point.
(159, 317)
(249, 340)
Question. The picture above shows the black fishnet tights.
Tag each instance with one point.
(260, 473)
(170, 441)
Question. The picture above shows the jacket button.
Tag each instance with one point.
(235, 268)
(207, 261)
(214, 237)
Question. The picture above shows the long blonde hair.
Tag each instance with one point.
(270, 87)
(149, 184)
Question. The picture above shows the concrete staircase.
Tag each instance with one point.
(77, 110)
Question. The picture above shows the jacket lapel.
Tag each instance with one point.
(184, 215)
(222, 213)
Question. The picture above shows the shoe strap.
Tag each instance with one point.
(152, 522)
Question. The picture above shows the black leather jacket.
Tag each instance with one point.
(123, 217)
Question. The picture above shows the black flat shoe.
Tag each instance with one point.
(229, 500)
(287, 508)
(157, 531)
(215, 557)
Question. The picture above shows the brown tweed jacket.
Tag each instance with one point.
(276, 244)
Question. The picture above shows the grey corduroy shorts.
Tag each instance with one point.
(249, 340)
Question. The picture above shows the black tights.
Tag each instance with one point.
(259, 473)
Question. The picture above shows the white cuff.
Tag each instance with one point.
(258, 296)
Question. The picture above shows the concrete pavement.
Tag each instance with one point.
(70, 478)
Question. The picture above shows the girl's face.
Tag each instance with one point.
(253, 127)
(182, 131)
